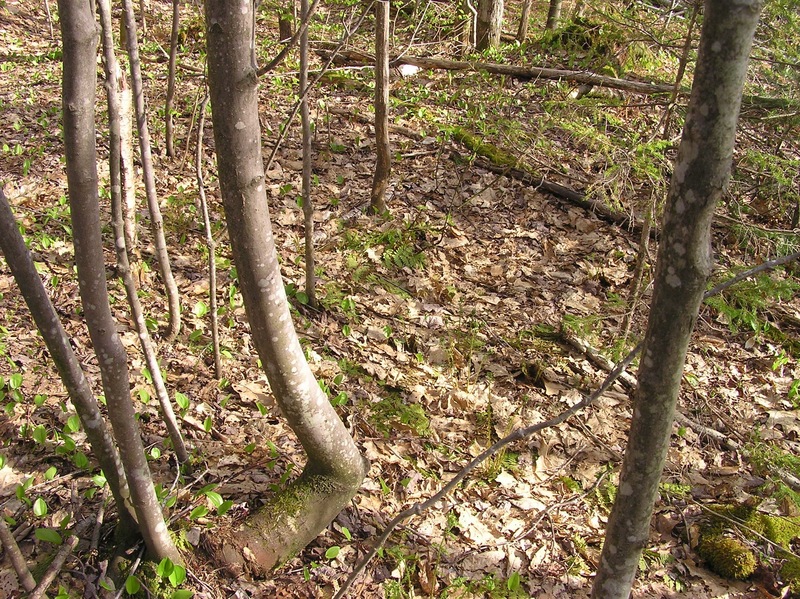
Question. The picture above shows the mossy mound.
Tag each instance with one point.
(734, 559)
(730, 558)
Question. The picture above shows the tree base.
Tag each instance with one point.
(290, 520)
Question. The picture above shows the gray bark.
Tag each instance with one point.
(489, 24)
(553, 14)
(524, 20)
(173, 61)
(156, 222)
(335, 467)
(684, 263)
(383, 163)
(79, 36)
(120, 245)
(69, 368)
(308, 206)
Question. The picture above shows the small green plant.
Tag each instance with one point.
(392, 413)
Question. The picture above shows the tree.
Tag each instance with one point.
(79, 34)
(383, 164)
(335, 468)
(683, 266)
(553, 14)
(489, 24)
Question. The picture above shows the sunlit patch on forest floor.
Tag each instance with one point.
(442, 328)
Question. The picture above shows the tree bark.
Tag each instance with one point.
(553, 14)
(79, 36)
(489, 24)
(156, 222)
(335, 468)
(684, 263)
(524, 21)
(173, 61)
(383, 163)
(308, 206)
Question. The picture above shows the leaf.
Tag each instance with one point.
(165, 567)
(132, 585)
(182, 594)
(182, 400)
(224, 507)
(198, 512)
(215, 498)
(332, 552)
(48, 535)
(177, 576)
(40, 507)
(513, 582)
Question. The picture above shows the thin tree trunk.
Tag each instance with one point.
(127, 167)
(294, 516)
(173, 61)
(210, 243)
(286, 21)
(308, 206)
(524, 21)
(553, 14)
(684, 264)
(79, 34)
(156, 222)
(69, 368)
(142, 11)
(468, 25)
(489, 24)
(118, 225)
(383, 163)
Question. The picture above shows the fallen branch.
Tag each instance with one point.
(58, 561)
(14, 554)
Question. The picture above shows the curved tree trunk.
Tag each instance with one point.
(79, 34)
(684, 263)
(335, 468)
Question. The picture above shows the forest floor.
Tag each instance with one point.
(442, 329)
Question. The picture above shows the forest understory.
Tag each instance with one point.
(480, 305)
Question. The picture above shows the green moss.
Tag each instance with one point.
(790, 573)
(730, 558)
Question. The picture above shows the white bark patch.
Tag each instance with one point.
(673, 280)
(679, 248)
(239, 125)
(245, 6)
(716, 46)
(680, 207)
(626, 489)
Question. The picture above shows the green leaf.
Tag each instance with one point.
(513, 581)
(182, 594)
(215, 498)
(39, 400)
(155, 453)
(2, 461)
(208, 423)
(346, 533)
(40, 507)
(132, 585)
(15, 382)
(332, 552)
(80, 460)
(182, 400)
(177, 576)
(40, 434)
(107, 584)
(165, 567)
(302, 297)
(200, 309)
(73, 424)
(262, 409)
(198, 512)
(50, 473)
(224, 507)
(48, 535)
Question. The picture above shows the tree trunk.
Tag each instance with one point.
(383, 164)
(173, 62)
(308, 206)
(684, 262)
(156, 222)
(79, 34)
(553, 14)
(489, 24)
(69, 368)
(296, 515)
(286, 21)
(524, 20)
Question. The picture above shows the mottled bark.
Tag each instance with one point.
(79, 36)
(489, 24)
(156, 222)
(120, 246)
(683, 266)
(335, 468)
(383, 163)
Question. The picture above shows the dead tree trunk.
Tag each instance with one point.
(383, 163)
(79, 34)
(684, 264)
(296, 515)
